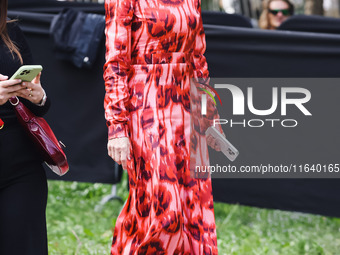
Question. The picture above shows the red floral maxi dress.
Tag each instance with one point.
(154, 47)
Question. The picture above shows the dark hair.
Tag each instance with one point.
(3, 30)
(264, 20)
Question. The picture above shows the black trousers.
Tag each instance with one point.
(23, 195)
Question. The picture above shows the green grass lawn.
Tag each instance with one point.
(76, 226)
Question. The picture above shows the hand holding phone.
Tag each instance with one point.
(31, 88)
(27, 72)
(226, 147)
(8, 88)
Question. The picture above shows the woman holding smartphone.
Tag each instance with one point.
(23, 184)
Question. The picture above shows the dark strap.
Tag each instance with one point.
(14, 101)
(20, 109)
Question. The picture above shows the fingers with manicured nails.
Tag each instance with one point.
(3, 77)
(13, 88)
(29, 85)
(32, 92)
(29, 94)
(9, 83)
(8, 88)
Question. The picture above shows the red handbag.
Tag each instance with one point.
(43, 137)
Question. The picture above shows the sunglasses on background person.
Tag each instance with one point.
(285, 12)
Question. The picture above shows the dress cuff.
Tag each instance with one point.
(117, 130)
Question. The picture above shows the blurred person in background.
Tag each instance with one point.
(23, 183)
(274, 13)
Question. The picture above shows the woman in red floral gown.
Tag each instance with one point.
(154, 47)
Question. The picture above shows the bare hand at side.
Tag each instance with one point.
(119, 150)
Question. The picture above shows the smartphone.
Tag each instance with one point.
(226, 147)
(27, 72)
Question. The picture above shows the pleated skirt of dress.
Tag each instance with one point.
(167, 211)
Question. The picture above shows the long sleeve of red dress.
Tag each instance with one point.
(201, 72)
(200, 62)
(117, 67)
